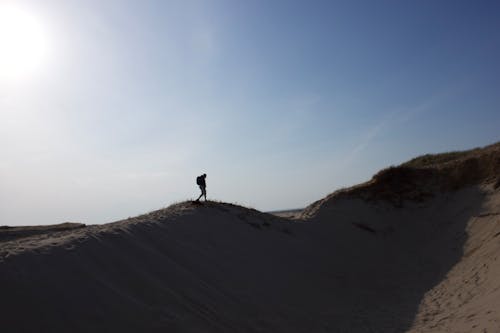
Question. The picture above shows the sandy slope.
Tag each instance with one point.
(383, 258)
(468, 299)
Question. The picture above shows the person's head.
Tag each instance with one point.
(204, 175)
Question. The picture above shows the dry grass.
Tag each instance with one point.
(430, 160)
(422, 177)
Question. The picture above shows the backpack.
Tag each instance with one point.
(198, 180)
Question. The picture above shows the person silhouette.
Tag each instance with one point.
(200, 180)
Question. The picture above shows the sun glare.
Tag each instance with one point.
(23, 44)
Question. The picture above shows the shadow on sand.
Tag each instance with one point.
(223, 268)
(383, 260)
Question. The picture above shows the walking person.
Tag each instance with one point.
(200, 180)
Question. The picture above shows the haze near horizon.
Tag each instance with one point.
(111, 109)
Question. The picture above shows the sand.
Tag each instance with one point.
(350, 263)
(356, 267)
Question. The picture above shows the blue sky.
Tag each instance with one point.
(279, 102)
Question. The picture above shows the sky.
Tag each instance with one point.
(112, 108)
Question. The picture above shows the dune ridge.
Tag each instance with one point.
(423, 177)
(413, 250)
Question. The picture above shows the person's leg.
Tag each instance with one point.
(204, 193)
(201, 188)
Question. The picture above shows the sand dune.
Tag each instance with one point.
(415, 249)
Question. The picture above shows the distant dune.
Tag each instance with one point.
(413, 250)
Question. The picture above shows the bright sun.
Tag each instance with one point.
(23, 44)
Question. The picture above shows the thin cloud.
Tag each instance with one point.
(392, 119)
